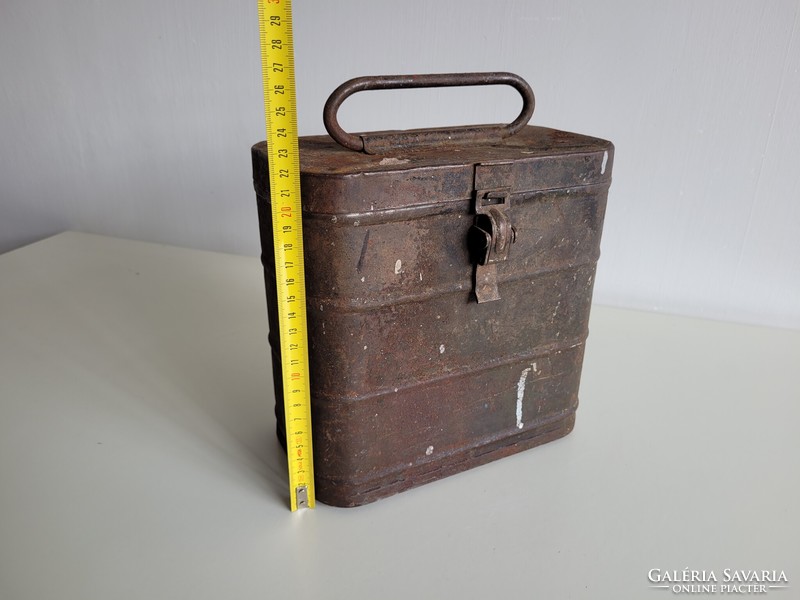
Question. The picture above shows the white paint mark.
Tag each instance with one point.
(365, 347)
(356, 223)
(441, 348)
(420, 276)
(397, 266)
(429, 451)
(395, 390)
(363, 279)
(535, 368)
(334, 219)
(605, 160)
(320, 308)
(520, 394)
(393, 161)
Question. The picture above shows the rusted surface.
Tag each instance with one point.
(412, 378)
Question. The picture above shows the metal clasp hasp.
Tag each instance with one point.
(490, 241)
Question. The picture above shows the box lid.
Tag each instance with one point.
(335, 180)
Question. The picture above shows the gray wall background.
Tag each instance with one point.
(135, 119)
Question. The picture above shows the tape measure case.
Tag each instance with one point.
(449, 277)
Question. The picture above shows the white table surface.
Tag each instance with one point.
(138, 458)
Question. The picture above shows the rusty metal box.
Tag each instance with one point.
(449, 281)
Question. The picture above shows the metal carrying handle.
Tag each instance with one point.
(379, 142)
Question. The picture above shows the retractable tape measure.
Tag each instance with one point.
(280, 112)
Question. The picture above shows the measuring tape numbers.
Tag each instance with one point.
(280, 112)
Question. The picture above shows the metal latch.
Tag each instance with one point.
(490, 240)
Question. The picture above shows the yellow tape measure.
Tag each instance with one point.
(280, 112)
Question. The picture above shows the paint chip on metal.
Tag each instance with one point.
(429, 451)
(441, 348)
(393, 161)
(605, 161)
(398, 265)
(520, 394)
